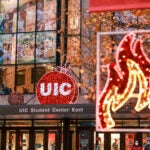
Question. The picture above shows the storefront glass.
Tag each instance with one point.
(115, 141)
(100, 141)
(39, 139)
(8, 16)
(129, 140)
(11, 140)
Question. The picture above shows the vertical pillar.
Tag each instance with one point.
(66, 141)
(122, 141)
(107, 141)
(138, 137)
(46, 140)
(3, 139)
(31, 139)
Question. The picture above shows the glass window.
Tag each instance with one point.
(37, 73)
(8, 16)
(144, 138)
(52, 140)
(45, 47)
(19, 17)
(128, 123)
(129, 140)
(7, 48)
(39, 140)
(24, 139)
(40, 70)
(46, 123)
(7, 78)
(46, 15)
(18, 123)
(20, 79)
(100, 141)
(118, 123)
(26, 16)
(24, 79)
(25, 48)
(144, 123)
(11, 140)
(84, 138)
(86, 123)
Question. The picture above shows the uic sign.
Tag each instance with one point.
(57, 88)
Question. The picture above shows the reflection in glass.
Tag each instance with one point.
(144, 138)
(46, 123)
(7, 79)
(7, 49)
(39, 140)
(40, 70)
(129, 140)
(23, 79)
(115, 141)
(52, 141)
(8, 16)
(84, 139)
(45, 47)
(26, 16)
(46, 15)
(24, 140)
(18, 123)
(11, 140)
(100, 141)
(25, 48)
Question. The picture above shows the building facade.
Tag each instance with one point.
(37, 36)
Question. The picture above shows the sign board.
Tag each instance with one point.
(57, 87)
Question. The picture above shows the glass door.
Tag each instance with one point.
(17, 140)
(39, 140)
(85, 141)
(11, 140)
(36, 139)
(129, 140)
(115, 141)
(24, 140)
(51, 140)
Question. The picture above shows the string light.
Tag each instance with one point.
(122, 79)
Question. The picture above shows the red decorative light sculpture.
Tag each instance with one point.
(57, 87)
(132, 67)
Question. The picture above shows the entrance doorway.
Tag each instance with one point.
(85, 138)
(35, 139)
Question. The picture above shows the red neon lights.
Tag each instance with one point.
(132, 67)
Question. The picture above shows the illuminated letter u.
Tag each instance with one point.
(42, 89)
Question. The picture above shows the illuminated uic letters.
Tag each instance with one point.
(64, 89)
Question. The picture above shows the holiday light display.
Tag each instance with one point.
(57, 87)
(132, 69)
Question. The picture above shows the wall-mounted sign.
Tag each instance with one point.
(130, 72)
(57, 87)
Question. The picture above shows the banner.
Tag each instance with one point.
(111, 5)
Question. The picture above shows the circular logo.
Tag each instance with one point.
(56, 88)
